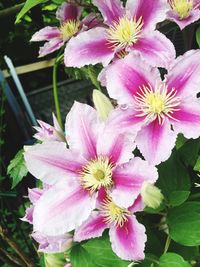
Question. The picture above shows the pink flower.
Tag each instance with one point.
(46, 132)
(154, 109)
(129, 29)
(97, 157)
(70, 25)
(183, 12)
(127, 236)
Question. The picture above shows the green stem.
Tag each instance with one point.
(55, 93)
(167, 244)
(93, 77)
(151, 259)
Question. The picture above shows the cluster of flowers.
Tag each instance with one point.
(91, 179)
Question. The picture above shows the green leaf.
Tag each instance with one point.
(176, 198)
(17, 168)
(184, 222)
(189, 151)
(101, 252)
(54, 259)
(173, 176)
(180, 141)
(197, 165)
(198, 36)
(80, 257)
(173, 260)
(27, 6)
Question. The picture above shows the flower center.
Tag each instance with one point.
(181, 7)
(97, 173)
(156, 103)
(113, 213)
(69, 29)
(125, 32)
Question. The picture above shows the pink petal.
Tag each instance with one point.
(185, 75)
(138, 205)
(89, 47)
(68, 12)
(125, 76)
(46, 34)
(128, 179)
(111, 10)
(188, 118)
(151, 11)
(182, 23)
(128, 241)
(125, 119)
(55, 244)
(116, 146)
(52, 162)
(156, 48)
(91, 228)
(62, 208)
(83, 127)
(156, 141)
(28, 215)
(34, 194)
(50, 47)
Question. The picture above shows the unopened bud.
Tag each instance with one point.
(102, 104)
(151, 195)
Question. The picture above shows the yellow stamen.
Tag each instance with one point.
(181, 7)
(97, 173)
(156, 103)
(125, 32)
(113, 213)
(69, 29)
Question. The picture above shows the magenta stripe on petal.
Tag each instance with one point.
(68, 12)
(83, 127)
(89, 47)
(111, 10)
(62, 208)
(185, 75)
(152, 11)
(125, 76)
(128, 241)
(156, 141)
(93, 227)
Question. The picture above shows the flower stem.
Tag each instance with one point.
(55, 93)
(167, 244)
(93, 77)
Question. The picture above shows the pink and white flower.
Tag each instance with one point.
(70, 25)
(130, 29)
(46, 132)
(127, 235)
(183, 12)
(97, 157)
(154, 109)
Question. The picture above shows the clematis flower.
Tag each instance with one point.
(97, 157)
(129, 29)
(127, 235)
(46, 132)
(183, 12)
(70, 25)
(154, 109)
